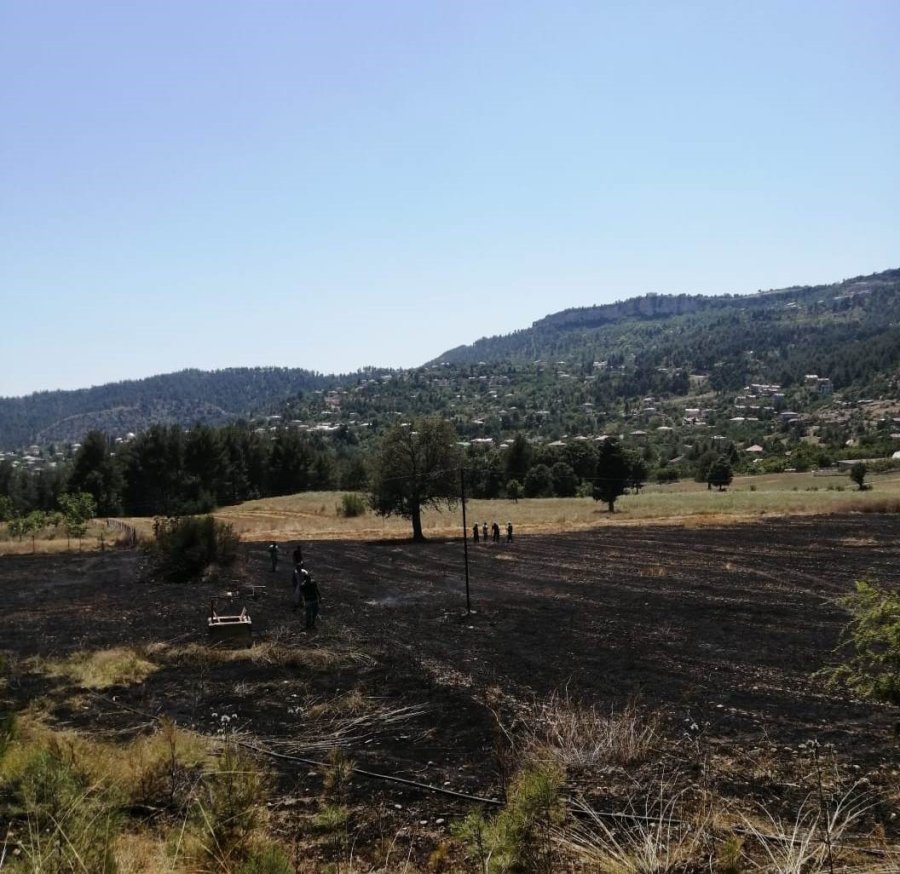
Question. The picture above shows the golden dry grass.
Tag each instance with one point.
(271, 652)
(313, 515)
(118, 765)
(120, 666)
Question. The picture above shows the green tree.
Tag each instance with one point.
(565, 482)
(518, 458)
(78, 509)
(858, 474)
(720, 473)
(638, 472)
(514, 490)
(872, 638)
(613, 473)
(205, 465)
(416, 466)
(539, 482)
(95, 471)
(154, 471)
(34, 522)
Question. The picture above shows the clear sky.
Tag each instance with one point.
(335, 184)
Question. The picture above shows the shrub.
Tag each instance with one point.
(352, 505)
(186, 547)
(873, 638)
(71, 826)
(519, 837)
(858, 474)
(666, 475)
(230, 807)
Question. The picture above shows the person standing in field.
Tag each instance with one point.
(495, 532)
(273, 555)
(311, 598)
(475, 532)
(509, 532)
(296, 580)
(484, 532)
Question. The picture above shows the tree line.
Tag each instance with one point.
(170, 471)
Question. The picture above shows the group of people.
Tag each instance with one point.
(305, 590)
(495, 532)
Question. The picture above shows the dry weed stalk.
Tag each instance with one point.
(797, 847)
(652, 839)
(348, 731)
(581, 737)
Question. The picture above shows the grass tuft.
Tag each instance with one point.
(101, 669)
(579, 736)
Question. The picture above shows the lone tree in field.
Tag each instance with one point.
(613, 473)
(720, 474)
(858, 474)
(417, 466)
(872, 639)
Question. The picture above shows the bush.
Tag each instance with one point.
(186, 547)
(666, 475)
(231, 807)
(519, 837)
(71, 826)
(352, 505)
(872, 638)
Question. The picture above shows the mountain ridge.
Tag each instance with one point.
(827, 328)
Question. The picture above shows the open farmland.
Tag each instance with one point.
(712, 633)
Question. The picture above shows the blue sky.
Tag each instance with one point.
(335, 184)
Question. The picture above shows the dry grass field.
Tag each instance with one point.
(98, 536)
(315, 514)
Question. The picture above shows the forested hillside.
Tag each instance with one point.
(850, 330)
(552, 378)
(215, 397)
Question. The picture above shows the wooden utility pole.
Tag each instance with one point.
(462, 493)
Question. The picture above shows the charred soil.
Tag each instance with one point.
(716, 631)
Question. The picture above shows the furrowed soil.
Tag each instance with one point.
(718, 630)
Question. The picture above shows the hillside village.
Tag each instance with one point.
(796, 379)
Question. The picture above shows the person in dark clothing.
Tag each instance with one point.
(495, 532)
(296, 580)
(484, 532)
(273, 554)
(311, 598)
(509, 532)
(298, 554)
(475, 532)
